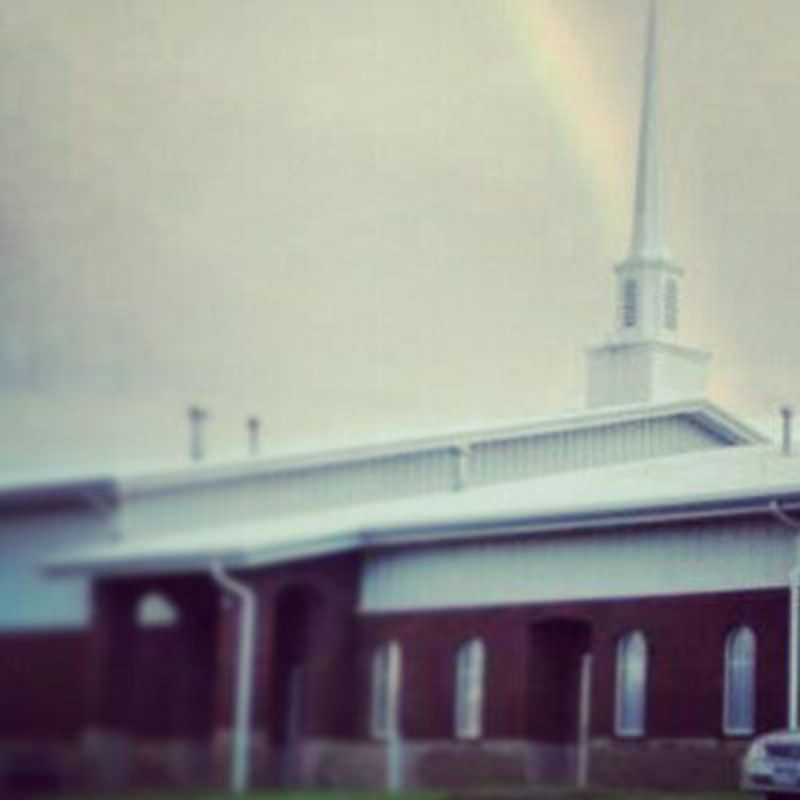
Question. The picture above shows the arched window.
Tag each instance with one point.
(470, 660)
(154, 610)
(740, 681)
(384, 712)
(631, 684)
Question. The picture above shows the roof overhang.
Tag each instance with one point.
(109, 564)
(46, 498)
(713, 507)
(115, 560)
(725, 425)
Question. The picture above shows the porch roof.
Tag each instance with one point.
(718, 483)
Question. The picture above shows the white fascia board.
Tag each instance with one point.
(130, 566)
(158, 563)
(731, 504)
(347, 541)
(726, 425)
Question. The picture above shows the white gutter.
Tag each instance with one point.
(240, 746)
(794, 616)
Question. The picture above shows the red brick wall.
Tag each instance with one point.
(42, 684)
(686, 637)
(154, 681)
(45, 675)
(180, 681)
(171, 682)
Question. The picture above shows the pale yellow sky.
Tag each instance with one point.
(368, 217)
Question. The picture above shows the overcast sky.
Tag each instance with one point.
(364, 218)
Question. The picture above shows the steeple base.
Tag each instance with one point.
(645, 372)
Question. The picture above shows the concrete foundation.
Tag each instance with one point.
(111, 761)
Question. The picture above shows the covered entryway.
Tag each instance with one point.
(297, 615)
(559, 698)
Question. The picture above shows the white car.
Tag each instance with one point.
(772, 765)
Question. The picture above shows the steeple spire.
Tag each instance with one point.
(647, 240)
(642, 362)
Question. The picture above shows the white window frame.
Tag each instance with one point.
(631, 688)
(470, 664)
(385, 690)
(741, 649)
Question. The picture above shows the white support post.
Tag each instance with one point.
(394, 744)
(584, 721)
(793, 688)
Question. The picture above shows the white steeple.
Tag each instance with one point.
(647, 240)
(642, 363)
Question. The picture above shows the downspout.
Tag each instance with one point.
(240, 745)
(794, 615)
(394, 745)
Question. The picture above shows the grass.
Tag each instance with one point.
(299, 795)
(522, 793)
(572, 793)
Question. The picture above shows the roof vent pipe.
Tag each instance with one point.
(197, 418)
(787, 412)
(253, 435)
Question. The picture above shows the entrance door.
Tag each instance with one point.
(296, 611)
(291, 767)
(559, 692)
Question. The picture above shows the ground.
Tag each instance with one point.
(483, 794)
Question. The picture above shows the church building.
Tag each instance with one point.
(607, 597)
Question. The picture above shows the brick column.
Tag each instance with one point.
(109, 671)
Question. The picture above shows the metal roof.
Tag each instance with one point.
(120, 483)
(704, 413)
(716, 484)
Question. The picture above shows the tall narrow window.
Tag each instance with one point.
(671, 305)
(631, 684)
(740, 673)
(470, 660)
(385, 690)
(630, 303)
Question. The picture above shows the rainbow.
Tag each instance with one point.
(596, 123)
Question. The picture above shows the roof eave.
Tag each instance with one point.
(727, 426)
(511, 526)
(201, 561)
(85, 495)
(453, 530)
